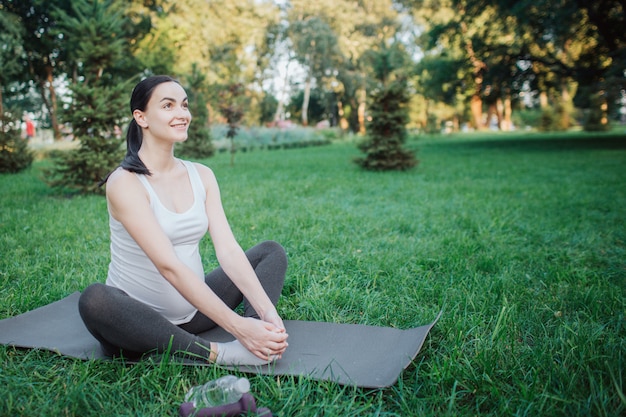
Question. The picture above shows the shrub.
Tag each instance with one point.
(595, 118)
(387, 130)
(14, 152)
(255, 138)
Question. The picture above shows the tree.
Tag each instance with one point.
(268, 106)
(386, 131)
(98, 97)
(569, 51)
(230, 42)
(44, 53)
(388, 110)
(329, 38)
(198, 143)
(317, 108)
(230, 107)
(360, 27)
(10, 52)
(475, 47)
(577, 49)
(14, 152)
(149, 37)
(315, 46)
(442, 93)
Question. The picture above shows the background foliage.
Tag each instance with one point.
(467, 59)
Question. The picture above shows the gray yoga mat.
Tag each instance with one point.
(349, 354)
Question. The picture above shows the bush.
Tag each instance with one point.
(595, 118)
(526, 118)
(255, 138)
(15, 154)
(387, 131)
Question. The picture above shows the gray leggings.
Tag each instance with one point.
(127, 327)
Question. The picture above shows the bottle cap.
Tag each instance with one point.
(242, 385)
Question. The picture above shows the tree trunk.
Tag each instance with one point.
(343, 122)
(507, 111)
(305, 101)
(51, 104)
(567, 105)
(283, 91)
(279, 111)
(476, 102)
(543, 100)
(361, 94)
(476, 107)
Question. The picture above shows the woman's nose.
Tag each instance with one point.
(182, 112)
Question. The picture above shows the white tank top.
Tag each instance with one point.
(133, 272)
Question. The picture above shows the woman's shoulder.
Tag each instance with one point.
(125, 193)
(201, 168)
(120, 177)
(206, 173)
(122, 181)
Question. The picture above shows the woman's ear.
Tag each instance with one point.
(140, 119)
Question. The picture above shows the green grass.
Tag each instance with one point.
(520, 239)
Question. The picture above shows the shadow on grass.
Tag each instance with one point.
(536, 142)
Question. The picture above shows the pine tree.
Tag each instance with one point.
(93, 115)
(98, 98)
(198, 143)
(389, 114)
(14, 152)
(386, 131)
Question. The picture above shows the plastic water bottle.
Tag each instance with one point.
(225, 390)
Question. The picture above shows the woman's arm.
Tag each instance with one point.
(129, 203)
(230, 255)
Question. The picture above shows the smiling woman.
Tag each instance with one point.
(156, 294)
(166, 116)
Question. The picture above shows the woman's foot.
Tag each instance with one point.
(234, 353)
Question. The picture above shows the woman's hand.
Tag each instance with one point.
(271, 316)
(264, 339)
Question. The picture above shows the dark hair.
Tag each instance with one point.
(134, 137)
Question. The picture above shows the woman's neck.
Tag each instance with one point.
(158, 159)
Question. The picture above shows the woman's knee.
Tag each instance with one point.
(274, 248)
(267, 252)
(93, 300)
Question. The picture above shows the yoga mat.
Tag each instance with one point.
(348, 354)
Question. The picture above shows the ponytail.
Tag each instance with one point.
(131, 162)
(134, 138)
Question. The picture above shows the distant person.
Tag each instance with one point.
(117, 132)
(29, 127)
(156, 294)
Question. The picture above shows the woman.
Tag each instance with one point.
(156, 295)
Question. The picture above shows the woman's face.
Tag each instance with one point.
(167, 115)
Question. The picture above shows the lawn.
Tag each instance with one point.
(521, 240)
